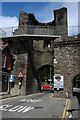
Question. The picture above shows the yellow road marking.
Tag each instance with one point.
(67, 109)
(51, 95)
(64, 110)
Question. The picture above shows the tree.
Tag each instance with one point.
(76, 81)
(45, 73)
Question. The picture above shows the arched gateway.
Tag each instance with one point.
(76, 85)
(34, 45)
(30, 57)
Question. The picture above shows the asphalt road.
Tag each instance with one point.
(42, 105)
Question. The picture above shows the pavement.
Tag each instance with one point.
(4, 96)
(7, 96)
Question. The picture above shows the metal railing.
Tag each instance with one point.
(39, 30)
(7, 31)
(2, 32)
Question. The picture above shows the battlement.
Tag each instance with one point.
(28, 24)
(60, 18)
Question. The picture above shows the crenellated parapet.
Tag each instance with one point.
(28, 24)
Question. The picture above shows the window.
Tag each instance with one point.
(3, 61)
(47, 44)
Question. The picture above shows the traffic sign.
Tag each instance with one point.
(11, 78)
(50, 80)
(58, 81)
(20, 75)
(58, 78)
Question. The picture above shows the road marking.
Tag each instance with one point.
(64, 110)
(65, 113)
(28, 109)
(51, 95)
(67, 109)
(22, 109)
(16, 108)
(4, 107)
(31, 100)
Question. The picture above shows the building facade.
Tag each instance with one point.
(5, 68)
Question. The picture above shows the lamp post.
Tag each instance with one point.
(50, 75)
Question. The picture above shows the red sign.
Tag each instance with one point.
(9, 68)
(58, 78)
(20, 75)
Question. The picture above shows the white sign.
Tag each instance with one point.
(11, 78)
(58, 81)
(55, 61)
(49, 79)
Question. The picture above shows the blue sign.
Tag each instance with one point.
(11, 78)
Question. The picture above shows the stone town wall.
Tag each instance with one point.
(60, 20)
(29, 57)
(68, 63)
(42, 55)
(20, 49)
(28, 24)
(31, 82)
(20, 64)
(65, 50)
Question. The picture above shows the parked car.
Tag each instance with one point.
(76, 91)
(46, 87)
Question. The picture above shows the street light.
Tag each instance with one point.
(50, 75)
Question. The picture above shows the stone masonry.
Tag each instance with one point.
(31, 51)
(29, 25)
(67, 54)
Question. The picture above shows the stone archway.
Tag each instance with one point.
(76, 81)
(76, 85)
(46, 73)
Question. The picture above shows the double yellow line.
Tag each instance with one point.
(65, 113)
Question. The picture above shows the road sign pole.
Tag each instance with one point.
(50, 75)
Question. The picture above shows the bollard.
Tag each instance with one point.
(52, 95)
(58, 95)
(67, 95)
